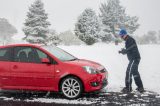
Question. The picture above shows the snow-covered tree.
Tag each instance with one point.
(105, 37)
(52, 38)
(87, 27)
(131, 24)
(149, 38)
(68, 38)
(114, 18)
(152, 37)
(159, 36)
(6, 31)
(36, 24)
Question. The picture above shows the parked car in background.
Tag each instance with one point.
(48, 68)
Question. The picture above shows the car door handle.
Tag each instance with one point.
(15, 67)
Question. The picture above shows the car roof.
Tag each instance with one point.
(15, 45)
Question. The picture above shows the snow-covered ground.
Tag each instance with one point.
(116, 64)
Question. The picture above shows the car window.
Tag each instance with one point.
(29, 54)
(21, 54)
(41, 55)
(5, 54)
(59, 53)
(26, 54)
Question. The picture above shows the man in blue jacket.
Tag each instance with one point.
(133, 55)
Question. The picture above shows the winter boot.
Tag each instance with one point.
(126, 90)
(141, 90)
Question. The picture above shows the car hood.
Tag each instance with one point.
(83, 62)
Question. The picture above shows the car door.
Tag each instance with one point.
(28, 72)
(5, 62)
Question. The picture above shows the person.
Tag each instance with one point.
(134, 58)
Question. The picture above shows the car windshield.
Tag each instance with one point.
(59, 53)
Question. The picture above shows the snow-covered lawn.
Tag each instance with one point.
(116, 64)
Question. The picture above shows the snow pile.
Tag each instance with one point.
(51, 100)
(116, 64)
(60, 101)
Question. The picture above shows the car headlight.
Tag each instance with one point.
(90, 70)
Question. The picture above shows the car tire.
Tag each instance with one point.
(71, 87)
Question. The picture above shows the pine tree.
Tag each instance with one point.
(114, 18)
(105, 37)
(131, 24)
(36, 24)
(52, 38)
(87, 27)
(6, 30)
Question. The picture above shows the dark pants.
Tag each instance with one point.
(132, 70)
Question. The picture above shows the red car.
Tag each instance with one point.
(48, 68)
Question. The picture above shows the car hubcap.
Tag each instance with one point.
(71, 88)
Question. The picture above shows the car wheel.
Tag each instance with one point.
(71, 87)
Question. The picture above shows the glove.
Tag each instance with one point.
(123, 51)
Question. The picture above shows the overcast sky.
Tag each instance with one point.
(63, 13)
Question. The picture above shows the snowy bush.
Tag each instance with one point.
(158, 37)
(68, 38)
(149, 38)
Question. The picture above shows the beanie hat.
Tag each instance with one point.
(122, 32)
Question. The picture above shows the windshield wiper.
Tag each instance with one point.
(73, 59)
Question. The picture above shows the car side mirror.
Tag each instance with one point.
(45, 60)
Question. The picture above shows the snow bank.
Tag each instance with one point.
(60, 101)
